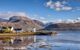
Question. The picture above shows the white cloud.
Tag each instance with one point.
(17, 13)
(58, 9)
(67, 8)
(58, 21)
(58, 6)
(78, 18)
(67, 20)
(45, 22)
(70, 21)
(9, 14)
(49, 3)
(43, 18)
(40, 18)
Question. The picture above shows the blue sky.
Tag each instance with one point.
(44, 10)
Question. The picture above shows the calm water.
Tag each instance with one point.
(64, 40)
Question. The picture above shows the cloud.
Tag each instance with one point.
(58, 21)
(58, 6)
(40, 18)
(66, 8)
(9, 14)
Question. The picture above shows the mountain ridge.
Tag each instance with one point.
(21, 22)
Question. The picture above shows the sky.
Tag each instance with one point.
(43, 10)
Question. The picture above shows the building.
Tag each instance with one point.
(6, 29)
(18, 29)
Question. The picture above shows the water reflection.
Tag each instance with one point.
(68, 40)
(15, 42)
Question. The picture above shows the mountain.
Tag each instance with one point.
(18, 18)
(3, 20)
(24, 22)
(51, 26)
(63, 26)
(28, 24)
(39, 23)
(20, 22)
(47, 24)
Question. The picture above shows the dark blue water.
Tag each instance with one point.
(64, 40)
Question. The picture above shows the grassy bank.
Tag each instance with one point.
(26, 34)
(16, 34)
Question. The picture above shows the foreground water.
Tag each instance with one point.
(64, 40)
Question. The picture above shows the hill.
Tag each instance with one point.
(21, 22)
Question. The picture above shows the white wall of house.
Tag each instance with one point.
(34, 29)
(12, 28)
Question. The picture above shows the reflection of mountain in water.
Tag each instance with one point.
(63, 41)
